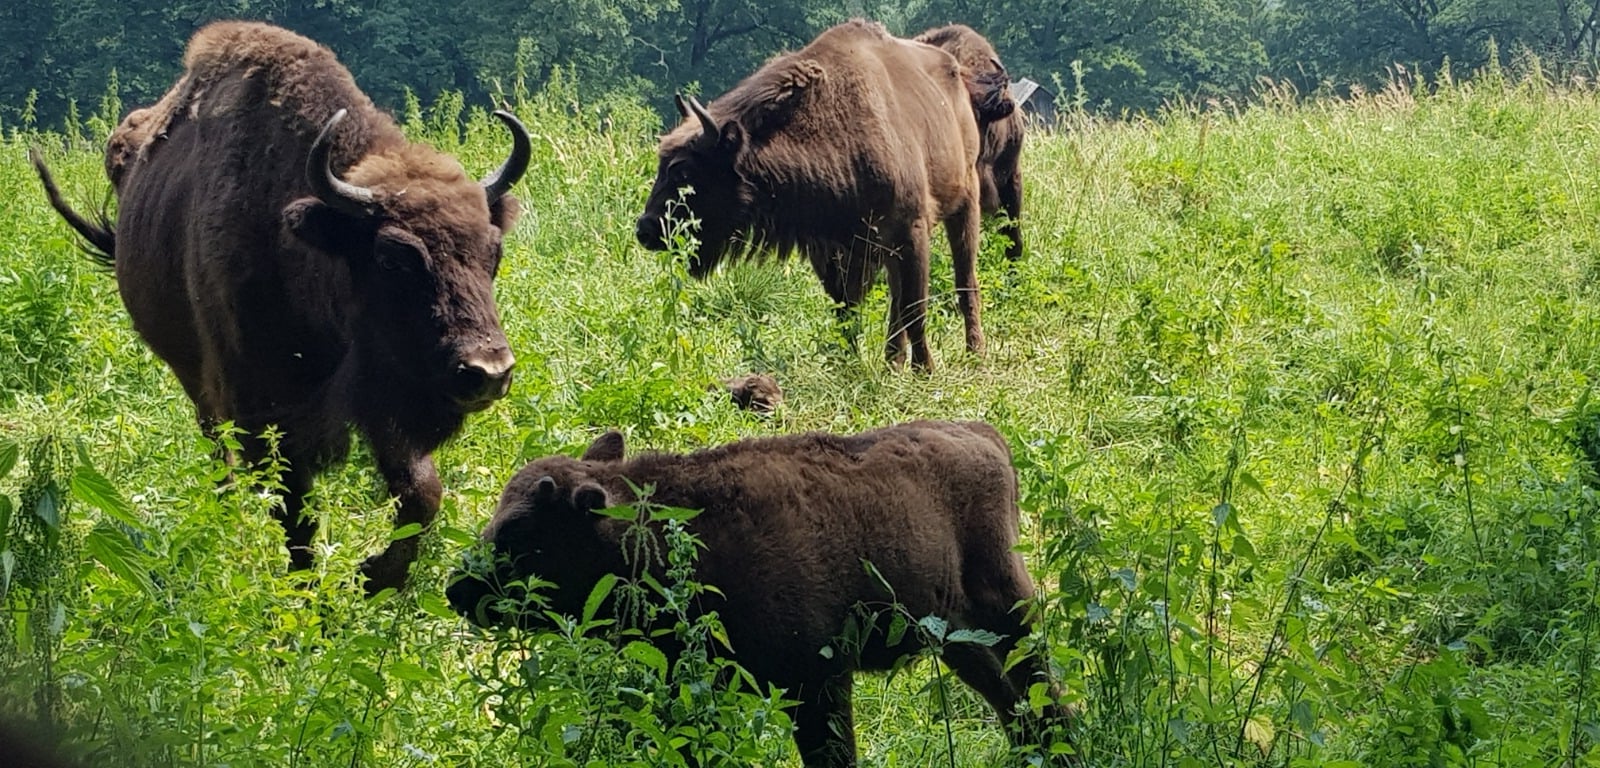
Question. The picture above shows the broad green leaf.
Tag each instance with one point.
(981, 637)
(435, 604)
(876, 574)
(112, 548)
(1249, 481)
(1221, 513)
(368, 678)
(9, 451)
(412, 672)
(625, 512)
(679, 514)
(935, 627)
(648, 655)
(92, 488)
(897, 628)
(48, 508)
(405, 531)
(5, 520)
(602, 589)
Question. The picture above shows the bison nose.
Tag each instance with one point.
(649, 232)
(483, 378)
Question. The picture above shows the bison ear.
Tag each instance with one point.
(545, 489)
(320, 226)
(607, 447)
(731, 138)
(504, 212)
(589, 497)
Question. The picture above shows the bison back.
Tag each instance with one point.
(931, 506)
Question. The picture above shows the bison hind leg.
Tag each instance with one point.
(963, 228)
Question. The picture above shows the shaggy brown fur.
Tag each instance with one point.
(852, 150)
(755, 392)
(787, 524)
(279, 297)
(1000, 159)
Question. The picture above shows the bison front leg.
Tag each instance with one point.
(824, 726)
(298, 527)
(984, 670)
(414, 482)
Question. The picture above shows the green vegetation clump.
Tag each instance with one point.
(1301, 396)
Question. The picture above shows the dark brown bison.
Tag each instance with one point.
(299, 263)
(787, 524)
(852, 150)
(1000, 156)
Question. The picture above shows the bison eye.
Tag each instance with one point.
(398, 255)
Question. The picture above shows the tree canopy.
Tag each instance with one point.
(1110, 55)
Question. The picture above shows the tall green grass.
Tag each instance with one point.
(1301, 395)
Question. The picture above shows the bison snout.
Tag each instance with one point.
(651, 233)
(483, 378)
(474, 600)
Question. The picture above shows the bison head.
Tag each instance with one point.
(697, 180)
(543, 531)
(990, 89)
(422, 242)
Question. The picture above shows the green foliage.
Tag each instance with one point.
(596, 690)
(1119, 56)
(1300, 396)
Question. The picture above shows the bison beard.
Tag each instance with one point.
(297, 262)
(850, 150)
(787, 523)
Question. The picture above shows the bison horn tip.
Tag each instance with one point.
(497, 184)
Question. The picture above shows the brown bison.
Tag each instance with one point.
(1000, 155)
(851, 149)
(299, 263)
(787, 526)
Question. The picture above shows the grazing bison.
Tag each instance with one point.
(1000, 155)
(851, 149)
(787, 524)
(299, 263)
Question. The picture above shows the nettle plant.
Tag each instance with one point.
(595, 687)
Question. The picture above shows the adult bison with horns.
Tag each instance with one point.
(851, 149)
(297, 262)
(787, 524)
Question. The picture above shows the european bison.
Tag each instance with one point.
(1000, 156)
(298, 262)
(851, 149)
(787, 524)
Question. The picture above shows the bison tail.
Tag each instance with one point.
(99, 239)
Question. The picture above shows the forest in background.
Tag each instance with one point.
(1108, 56)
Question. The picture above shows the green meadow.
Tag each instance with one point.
(1300, 394)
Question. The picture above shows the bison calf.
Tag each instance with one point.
(787, 524)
